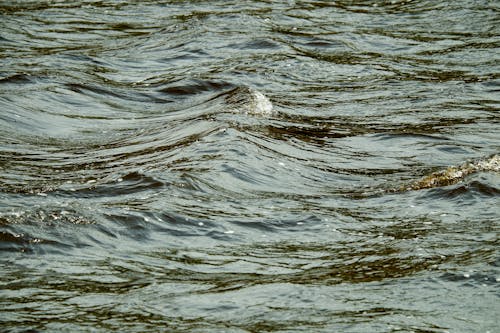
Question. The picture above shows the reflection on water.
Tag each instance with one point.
(249, 167)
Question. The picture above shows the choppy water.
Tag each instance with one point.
(249, 166)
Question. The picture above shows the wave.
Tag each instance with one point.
(454, 174)
(102, 149)
(249, 101)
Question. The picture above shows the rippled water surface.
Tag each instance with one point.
(249, 166)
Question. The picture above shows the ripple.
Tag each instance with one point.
(257, 166)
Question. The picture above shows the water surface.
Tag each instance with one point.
(249, 166)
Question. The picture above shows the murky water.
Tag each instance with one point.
(249, 166)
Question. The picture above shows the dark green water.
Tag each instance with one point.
(249, 166)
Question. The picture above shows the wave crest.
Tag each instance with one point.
(247, 100)
(454, 174)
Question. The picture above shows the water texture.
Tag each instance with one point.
(249, 166)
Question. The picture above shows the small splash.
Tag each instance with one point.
(261, 104)
(249, 101)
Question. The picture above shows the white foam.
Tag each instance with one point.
(250, 101)
(490, 164)
(260, 103)
(455, 174)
